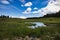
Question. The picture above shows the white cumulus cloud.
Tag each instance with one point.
(52, 7)
(27, 11)
(28, 4)
(35, 8)
(35, 12)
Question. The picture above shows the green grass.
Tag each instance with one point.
(11, 27)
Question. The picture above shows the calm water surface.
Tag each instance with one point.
(36, 24)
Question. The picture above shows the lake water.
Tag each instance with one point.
(36, 24)
(41, 24)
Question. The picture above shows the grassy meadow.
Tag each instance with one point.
(15, 27)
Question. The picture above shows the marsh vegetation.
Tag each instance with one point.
(15, 27)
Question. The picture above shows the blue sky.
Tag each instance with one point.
(27, 8)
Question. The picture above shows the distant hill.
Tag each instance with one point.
(53, 15)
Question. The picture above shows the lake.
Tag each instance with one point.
(36, 24)
(41, 24)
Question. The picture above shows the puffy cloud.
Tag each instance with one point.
(39, 12)
(52, 7)
(28, 4)
(4, 2)
(57, 2)
(35, 12)
(35, 8)
(27, 11)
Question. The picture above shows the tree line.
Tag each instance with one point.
(53, 15)
(3, 16)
